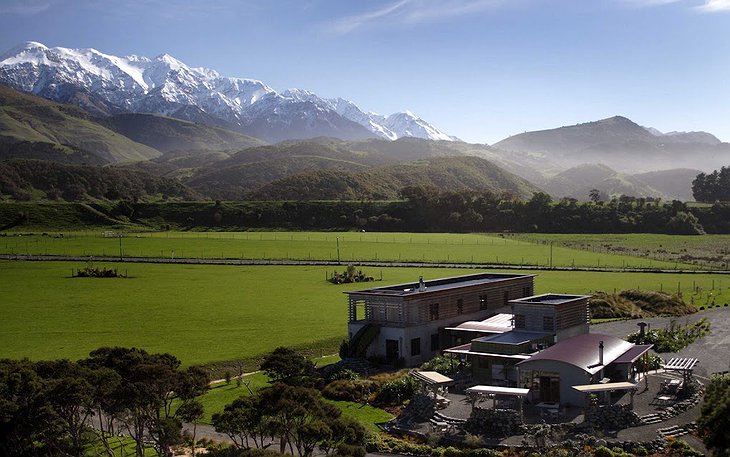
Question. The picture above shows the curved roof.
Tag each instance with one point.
(582, 351)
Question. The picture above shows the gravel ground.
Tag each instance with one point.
(713, 351)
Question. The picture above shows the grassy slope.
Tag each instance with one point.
(28, 118)
(210, 313)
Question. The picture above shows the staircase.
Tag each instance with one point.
(362, 339)
(674, 430)
(652, 418)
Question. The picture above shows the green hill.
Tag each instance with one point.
(168, 134)
(382, 183)
(39, 179)
(26, 118)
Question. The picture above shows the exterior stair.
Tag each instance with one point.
(674, 430)
(650, 419)
(362, 339)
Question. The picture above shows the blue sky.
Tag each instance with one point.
(478, 69)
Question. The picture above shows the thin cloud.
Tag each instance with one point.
(714, 6)
(412, 12)
(25, 7)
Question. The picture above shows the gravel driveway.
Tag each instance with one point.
(713, 351)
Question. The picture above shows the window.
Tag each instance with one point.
(505, 297)
(483, 301)
(519, 321)
(435, 344)
(416, 346)
(433, 311)
(526, 291)
(460, 306)
(547, 323)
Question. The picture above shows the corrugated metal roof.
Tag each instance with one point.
(465, 349)
(634, 353)
(514, 337)
(550, 299)
(582, 351)
(498, 323)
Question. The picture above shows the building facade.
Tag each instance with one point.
(406, 322)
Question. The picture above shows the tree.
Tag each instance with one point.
(595, 195)
(287, 366)
(714, 421)
(142, 401)
(243, 422)
(684, 223)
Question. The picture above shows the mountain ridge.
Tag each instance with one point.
(165, 85)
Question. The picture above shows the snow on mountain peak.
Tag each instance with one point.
(166, 85)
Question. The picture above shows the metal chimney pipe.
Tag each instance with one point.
(421, 284)
(600, 353)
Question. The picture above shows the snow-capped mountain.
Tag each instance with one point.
(106, 84)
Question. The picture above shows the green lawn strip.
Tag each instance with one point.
(353, 247)
(367, 415)
(204, 314)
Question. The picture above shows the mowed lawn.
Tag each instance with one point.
(352, 247)
(203, 313)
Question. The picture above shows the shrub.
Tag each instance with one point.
(396, 391)
(445, 365)
(603, 451)
(357, 390)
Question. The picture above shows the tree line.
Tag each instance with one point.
(712, 187)
(60, 407)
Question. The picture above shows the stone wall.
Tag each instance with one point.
(494, 422)
(612, 417)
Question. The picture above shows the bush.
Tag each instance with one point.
(603, 451)
(445, 365)
(357, 390)
(396, 391)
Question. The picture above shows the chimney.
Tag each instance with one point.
(600, 353)
(421, 284)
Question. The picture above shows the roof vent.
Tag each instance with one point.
(421, 284)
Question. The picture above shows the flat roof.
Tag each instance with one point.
(465, 349)
(499, 323)
(431, 377)
(434, 285)
(590, 388)
(513, 337)
(499, 390)
(550, 299)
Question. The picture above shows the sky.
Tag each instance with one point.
(478, 69)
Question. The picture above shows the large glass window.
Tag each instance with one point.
(433, 311)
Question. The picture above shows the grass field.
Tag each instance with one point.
(712, 251)
(346, 246)
(213, 313)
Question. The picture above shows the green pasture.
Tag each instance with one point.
(709, 251)
(204, 313)
(344, 246)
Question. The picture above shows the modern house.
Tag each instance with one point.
(548, 350)
(408, 321)
(536, 322)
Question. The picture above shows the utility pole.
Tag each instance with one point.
(120, 246)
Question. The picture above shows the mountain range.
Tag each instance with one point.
(106, 85)
(622, 145)
(158, 117)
